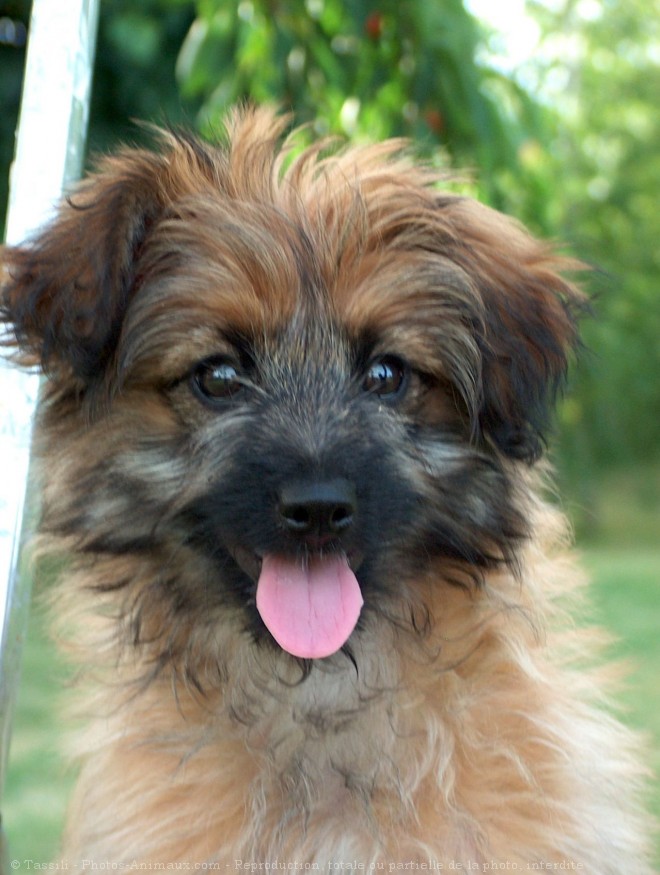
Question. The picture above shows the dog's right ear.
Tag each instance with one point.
(63, 295)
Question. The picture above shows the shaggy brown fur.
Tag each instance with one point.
(221, 325)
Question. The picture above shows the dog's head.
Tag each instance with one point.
(290, 382)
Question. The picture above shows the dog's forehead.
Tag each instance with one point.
(298, 270)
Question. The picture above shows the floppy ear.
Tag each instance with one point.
(529, 327)
(64, 294)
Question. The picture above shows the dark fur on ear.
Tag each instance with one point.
(529, 327)
(64, 293)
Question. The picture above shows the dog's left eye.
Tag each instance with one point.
(216, 379)
(386, 377)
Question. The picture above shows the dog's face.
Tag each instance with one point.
(285, 388)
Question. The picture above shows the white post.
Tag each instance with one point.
(49, 155)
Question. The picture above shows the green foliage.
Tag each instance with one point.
(363, 70)
(134, 72)
(608, 164)
(133, 76)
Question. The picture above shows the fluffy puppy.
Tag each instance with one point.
(289, 446)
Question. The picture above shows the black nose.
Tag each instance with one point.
(318, 511)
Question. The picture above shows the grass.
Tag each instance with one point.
(626, 599)
(38, 783)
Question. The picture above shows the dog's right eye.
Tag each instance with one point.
(216, 379)
(386, 377)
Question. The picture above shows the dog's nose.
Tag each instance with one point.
(318, 511)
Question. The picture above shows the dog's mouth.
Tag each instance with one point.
(310, 606)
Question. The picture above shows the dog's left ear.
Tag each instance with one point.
(529, 325)
(63, 294)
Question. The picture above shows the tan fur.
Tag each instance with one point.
(469, 730)
(487, 746)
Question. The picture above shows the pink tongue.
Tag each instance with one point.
(309, 610)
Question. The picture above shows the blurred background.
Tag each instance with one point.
(549, 111)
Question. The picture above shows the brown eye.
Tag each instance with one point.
(216, 379)
(386, 377)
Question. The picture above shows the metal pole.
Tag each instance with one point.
(49, 155)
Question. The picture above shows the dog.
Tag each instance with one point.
(291, 454)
